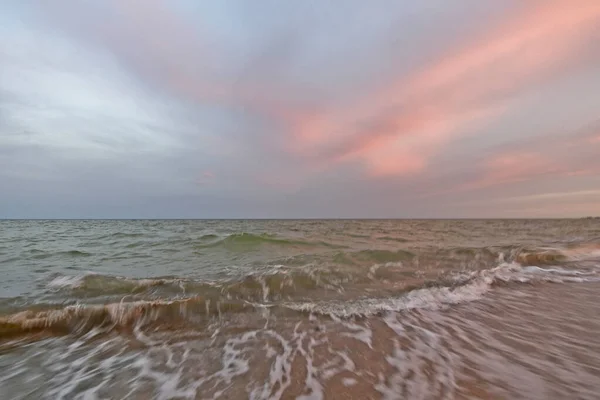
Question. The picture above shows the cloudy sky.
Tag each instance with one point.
(307, 108)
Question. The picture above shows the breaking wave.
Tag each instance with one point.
(467, 288)
(254, 293)
(556, 255)
(121, 316)
(273, 284)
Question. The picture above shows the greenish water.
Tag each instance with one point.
(285, 309)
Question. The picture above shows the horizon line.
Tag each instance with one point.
(302, 219)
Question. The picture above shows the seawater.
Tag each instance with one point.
(312, 309)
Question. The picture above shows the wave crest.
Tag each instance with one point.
(435, 295)
(244, 241)
(557, 255)
(254, 293)
(272, 285)
(79, 319)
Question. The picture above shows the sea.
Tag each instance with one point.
(306, 309)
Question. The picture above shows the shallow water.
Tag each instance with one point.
(498, 309)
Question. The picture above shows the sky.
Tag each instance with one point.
(299, 109)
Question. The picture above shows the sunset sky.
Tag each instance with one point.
(299, 109)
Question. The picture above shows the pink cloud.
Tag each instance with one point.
(514, 167)
(569, 209)
(520, 166)
(399, 128)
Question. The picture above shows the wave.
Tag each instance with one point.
(92, 284)
(337, 272)
(121, 316)
(377, 256)
(75, 253)
(41, 255)
(274, 284)
(541, 257)
(123, 235)
(527, 256)
(210, 236)
(243, 241)
(432, 295)
(393, 239)
(358, 235)
(177, 313)
(556, 255)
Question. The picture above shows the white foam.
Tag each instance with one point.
(470, 287)
(65, 281)
(375, 267)
(409, 380)
(558, 271)
(280, 372)
(79, 281)
(315, 388)
(349, 382)
(361, 333)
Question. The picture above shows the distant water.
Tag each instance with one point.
(497, 309)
